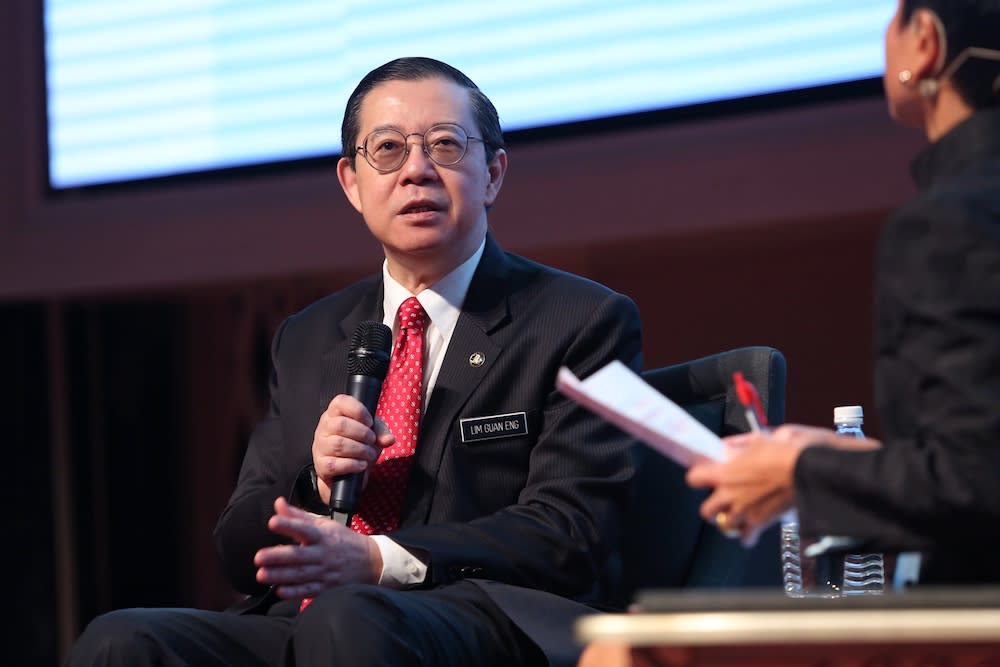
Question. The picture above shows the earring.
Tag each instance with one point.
(905, 76)
(928, 87)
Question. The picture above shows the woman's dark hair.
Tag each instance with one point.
(416, 69)
(966, 23)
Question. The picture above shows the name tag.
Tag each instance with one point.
(509, 425)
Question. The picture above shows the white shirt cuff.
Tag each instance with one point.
(400, 568)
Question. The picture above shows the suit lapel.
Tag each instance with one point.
(334, 360)
(485, 310)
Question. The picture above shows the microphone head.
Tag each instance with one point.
(371, 347)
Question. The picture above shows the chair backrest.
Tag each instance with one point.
(666, 543)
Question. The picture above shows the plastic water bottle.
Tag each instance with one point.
(791, 554)
(864, 574)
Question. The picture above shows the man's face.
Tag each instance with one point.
(426, 216)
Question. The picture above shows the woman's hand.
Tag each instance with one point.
(755, 484)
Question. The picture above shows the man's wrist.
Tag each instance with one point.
(305, 492)
(401, 568)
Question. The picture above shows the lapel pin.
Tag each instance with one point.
(476, 359)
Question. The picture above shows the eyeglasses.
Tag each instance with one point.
(386, 150)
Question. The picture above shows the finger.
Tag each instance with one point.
(285, 508)
(605, 654)
(728, 523)
(750, 535)
(804, 436)
(288, 576)
(328, 468)
(856, 444)
(350, 407)
(740, 440)
(337, 435)
(281, 505)
(303, 531)
(715, 503)
(341, 431)
(729, 527)
(342, 454)
(383, 436)
(282, 555)
(703, 475)
(299, 591)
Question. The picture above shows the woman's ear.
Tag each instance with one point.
(928, 47)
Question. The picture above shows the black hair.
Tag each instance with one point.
(967, 23)
(416, 69)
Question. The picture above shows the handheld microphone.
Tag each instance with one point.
(367, 364)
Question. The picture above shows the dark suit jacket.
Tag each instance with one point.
(532, 518)
(935, 486)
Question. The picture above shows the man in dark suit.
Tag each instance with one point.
(509, 515)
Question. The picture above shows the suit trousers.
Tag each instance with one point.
(358, 624)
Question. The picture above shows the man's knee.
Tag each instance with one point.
(357, 624)
(351, 609)
(117, 637)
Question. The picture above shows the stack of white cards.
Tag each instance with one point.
(623, 398)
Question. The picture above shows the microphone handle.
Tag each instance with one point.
(346, 489)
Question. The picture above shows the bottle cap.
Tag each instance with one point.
(848, 413)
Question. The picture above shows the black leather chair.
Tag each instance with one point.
(667, 544)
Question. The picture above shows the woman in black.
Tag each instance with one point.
(933, 484)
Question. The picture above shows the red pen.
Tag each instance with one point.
(753, 408)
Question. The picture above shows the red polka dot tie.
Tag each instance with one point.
(399, 407)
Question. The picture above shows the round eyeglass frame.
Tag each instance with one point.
(423, 146)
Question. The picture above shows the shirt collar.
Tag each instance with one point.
(442, 301)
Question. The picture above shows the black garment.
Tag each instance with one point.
(935, 486)
(351, 626)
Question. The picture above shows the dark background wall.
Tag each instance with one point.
(137, 320)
